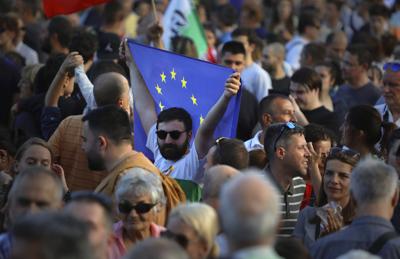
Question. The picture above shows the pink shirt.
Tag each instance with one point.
(118, 248)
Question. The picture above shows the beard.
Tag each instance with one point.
(95, 162)
(174, 152)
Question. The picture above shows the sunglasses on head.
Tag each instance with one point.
(394, 66)
(182, 240)
(140, 208)
(286, 126)
(345, 151)
(174, 134)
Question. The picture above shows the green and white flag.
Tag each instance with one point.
(181, 18)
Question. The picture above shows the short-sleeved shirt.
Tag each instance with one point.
(254, 143)
(290, 204)
(188, 171)
(367, 94)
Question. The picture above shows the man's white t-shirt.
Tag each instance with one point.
(189, 167)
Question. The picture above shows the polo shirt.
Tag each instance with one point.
(290, 204)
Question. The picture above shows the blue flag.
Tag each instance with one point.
(178, 81)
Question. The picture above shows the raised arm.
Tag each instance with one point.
(143, 101)
(205, 134)
(64, 74)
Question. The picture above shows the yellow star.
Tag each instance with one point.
(194, 100)
(201, 119)
(163, 76)
(159, 90)
(161, 106)
(173, 74)
(183, 81)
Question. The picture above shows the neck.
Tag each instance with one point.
(326, 100)
(279, 73)
(249, 60)
(283, 178)
(313, 105)
(116, 155)
(343, 202)
(261, 137)
(363, 80)
(395, 110)
(132, 238)
(377, 209)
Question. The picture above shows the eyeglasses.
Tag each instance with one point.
(182, 240)
(175, 134)
(140, 208)
(286, 126)
(347, 152)
(394, 66)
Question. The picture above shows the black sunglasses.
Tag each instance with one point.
(345, 151)
(182, 240)
(140, 208)
(286, 126)
(175, 134)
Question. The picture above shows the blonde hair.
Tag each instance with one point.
(204, 221)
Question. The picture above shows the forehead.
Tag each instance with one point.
(171, 125)
(231, 56)
(242, 38)
(41, 187)
(322, 69)
(296, 86)
(37, 151)
(337, 165)
(133, 198)
(283, 104)
(323, 145)
(87, 211)
(297, 139)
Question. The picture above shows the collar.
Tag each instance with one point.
(289, 191)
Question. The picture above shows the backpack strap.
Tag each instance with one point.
(378, 244)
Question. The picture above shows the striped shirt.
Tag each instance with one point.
(290, 204)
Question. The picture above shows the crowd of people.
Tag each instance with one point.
(313, 171)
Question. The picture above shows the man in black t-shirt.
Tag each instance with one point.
(305, 88)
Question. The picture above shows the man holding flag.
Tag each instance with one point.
(169, 133)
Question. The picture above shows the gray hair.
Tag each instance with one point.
(243, 222)
(56, 235)
(372, 180)
(159, 248)
(141, 182)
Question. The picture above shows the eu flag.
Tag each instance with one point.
(178, 81)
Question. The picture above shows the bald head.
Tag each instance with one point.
(110, 88)
(276, 49)
(250, 204)
(337, 43)
(214, 178)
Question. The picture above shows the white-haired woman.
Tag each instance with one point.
(139, 196)
(195, 227)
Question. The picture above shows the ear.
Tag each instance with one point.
(120, 102)
(102, 143)
(395, 198)
(189, 134)
(280, 153)
(252, 47)
(3, 155)
(266, 119)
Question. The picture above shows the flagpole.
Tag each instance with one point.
(154, 10)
